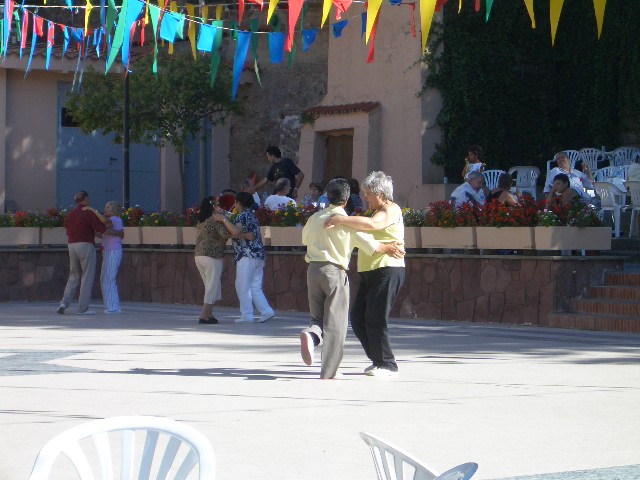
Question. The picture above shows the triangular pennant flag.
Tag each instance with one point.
(254, 25)
(489, 5)
(65, 31)
(205, 39)
(169, 26)
(412, 7)
(143, 23)
(215, 54)
(427, 7)
(8, 13)
(87, 14)
(292, 55)
(103, 13)
(326, 7)
(191, 32)
(242, 48)
(118, 37)
(395, 2)
(16, 16)
(294, 12)
(440, 4)
(272, 8)
(2, 47)
(240, 11)
(257, 71)
(112, 13)
(25, 26)
(37, 24)
(219, 12)
(308, 37)
(180, 31)
(133, 12)
(477, 6)
(373, 37)
(341, 7)
(599, 7)
(34, 36)
(338, 27)
(173, 7)
(373, 7)
(363, 16)
(555, 9)
(50, 39)
(233, 27)
(529, 5)
(276, 46)
(154, 13)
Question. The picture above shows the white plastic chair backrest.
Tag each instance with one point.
(590, 156)
(605, 173)
(526, 176)
(491, 178)
(634, 191)
(608, 194)
(624, 171)
(393, 463)
(574, 156)
(197, 450)
(625, 156)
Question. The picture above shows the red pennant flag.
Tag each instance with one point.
(257, 2)
(477, 6)
(372, 39)
(295, 6)
(38, 23)
(240, 11)
(412, 6)
(439, 4)
(142, 25)
(51, 28)
(341, 7)
(25, 25)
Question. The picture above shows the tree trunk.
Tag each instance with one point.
(181, 173)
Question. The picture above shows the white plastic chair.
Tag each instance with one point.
(634, 191)
(625, 156)
(611, 199)
(526, 178)
(604, 174)
(591, 156)
(491, 178)
(184, 448)
(393, 464)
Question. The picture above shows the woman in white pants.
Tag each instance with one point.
(211, 238)
(249, 257)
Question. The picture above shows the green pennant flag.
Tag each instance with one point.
(305, 5)
(215, 51)
(489, 5)
(2, 48)
(292, 54)
(118, 38)
(254, 24)
(112, 12)
(234, 29)
(275, 22)
(16, 14)
(154, 13)
(180, 30)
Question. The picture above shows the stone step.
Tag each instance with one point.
(609, 292)
(605, 307)
(621, 278)
(608, 323)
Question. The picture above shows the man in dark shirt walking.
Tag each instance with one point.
(282, 167)
(81, 226)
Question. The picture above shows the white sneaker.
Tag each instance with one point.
(112, 312)
(86, 312)
(244, 320)
(381, 372)
(306, 348)
(266, 316)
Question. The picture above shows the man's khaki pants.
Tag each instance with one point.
(82, 270)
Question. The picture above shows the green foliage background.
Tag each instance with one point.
(506, 88)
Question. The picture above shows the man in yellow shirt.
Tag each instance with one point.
(328, 255)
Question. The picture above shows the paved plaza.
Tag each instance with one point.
(519, 401)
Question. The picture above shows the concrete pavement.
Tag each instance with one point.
(517, 400)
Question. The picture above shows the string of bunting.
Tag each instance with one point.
(119, 24)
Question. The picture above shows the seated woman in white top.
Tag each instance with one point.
(280, 199)
(577, 179)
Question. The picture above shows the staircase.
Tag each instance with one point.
(614, 307)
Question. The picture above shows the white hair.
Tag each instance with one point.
(380, 184)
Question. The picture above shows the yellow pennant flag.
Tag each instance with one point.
(459, 6)
(555, 8)
(191, 32)
(427, 7)
(529, 4)
(373, 7)
(219, 12)
(326, 7)
(272, 8)
(598, 6)
(173, 6)
(205, 14)
(87, 13)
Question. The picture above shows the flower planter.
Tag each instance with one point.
(572, 238)
(53, 236)
(266, 236)
(412, 237)
(285, 236)
(189, 235)
(458, 237)
(161, 235)
(20, 236)
(512, 238)
(132, 236)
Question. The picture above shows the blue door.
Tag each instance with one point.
(94, 163)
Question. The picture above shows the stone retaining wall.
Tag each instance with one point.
(507, 289)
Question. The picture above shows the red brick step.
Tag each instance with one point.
(609, 323)
(621, 278)
(605, 307)
(615, 293)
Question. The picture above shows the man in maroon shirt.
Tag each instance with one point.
(81, 226)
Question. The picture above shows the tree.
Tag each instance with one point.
(167, 108)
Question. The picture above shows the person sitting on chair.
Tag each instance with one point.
(502, 192)
(561, 192)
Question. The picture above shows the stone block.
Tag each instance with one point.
(481, 310)
(464, 310)
(488, 278)
(434, 292)
(515, 294)
(429, 271)
(496, 306)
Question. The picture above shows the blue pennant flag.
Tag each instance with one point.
(364, 24)
(276, 46)
(169, 26)
(133, 11)
(242, 48)
(338, 27)
(308, 37)
(205, 38)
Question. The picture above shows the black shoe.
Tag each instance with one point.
(208, 321)
(61, 309)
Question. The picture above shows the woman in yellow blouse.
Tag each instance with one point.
(381, 276)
